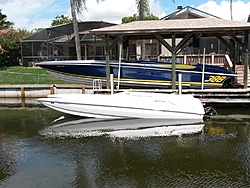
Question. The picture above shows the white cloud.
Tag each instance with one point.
(32, 14)
(24, 13)
(114, 10)
(108, 10)
(241, 10)
(156, 9)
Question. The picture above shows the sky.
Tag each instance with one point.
(32, 14)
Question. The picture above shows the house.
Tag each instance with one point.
(233, 35)
(215, 50)
(197, 43)
(58, 42)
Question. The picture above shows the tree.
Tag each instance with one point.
(3, 21)
(61, 20)
(11, 45)
(143, 10)
(10, 42)
(231, 9)
(135, 17)
(248, 20)
(151, 17)
(5, 29)
(37, 30)
(77, 5)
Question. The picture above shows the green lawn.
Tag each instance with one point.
(27, 75)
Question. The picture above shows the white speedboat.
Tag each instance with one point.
(127, 105)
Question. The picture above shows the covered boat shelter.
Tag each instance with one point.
(185, 29)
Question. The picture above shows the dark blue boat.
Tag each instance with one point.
(139, 74)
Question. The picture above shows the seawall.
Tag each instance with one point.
(36, 91)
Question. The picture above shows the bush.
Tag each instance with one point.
(11, 44)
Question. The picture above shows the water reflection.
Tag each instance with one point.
(19, 102)
(216, 156)
(75, 127)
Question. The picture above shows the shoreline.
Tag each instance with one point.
(38, 90)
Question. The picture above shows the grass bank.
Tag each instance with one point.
(27, 75)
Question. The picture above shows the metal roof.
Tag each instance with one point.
(64, 31)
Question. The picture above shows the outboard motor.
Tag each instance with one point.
(209, 111)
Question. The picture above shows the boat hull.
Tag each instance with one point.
(145, 74)
(127, 105)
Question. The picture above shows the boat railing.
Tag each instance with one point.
(97, 84)
(221, 60)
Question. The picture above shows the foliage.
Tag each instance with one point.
(61, 20)
(142, 8)
(248, 20)
(11, 44)
(3, 21)
(37, 30)
(135, 17)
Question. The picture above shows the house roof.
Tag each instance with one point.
(65, 31)
(206, 26)
(188, 13)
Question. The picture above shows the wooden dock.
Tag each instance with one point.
(223, 97)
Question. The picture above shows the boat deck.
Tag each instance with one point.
(207, 96)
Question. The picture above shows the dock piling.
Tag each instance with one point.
(246, 59)
(180, 83)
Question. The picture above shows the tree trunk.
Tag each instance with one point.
(231, 9)
(143, 45)
(76, 31)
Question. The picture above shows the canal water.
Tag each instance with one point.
(43, 148)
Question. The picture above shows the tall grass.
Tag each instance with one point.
(27, 75)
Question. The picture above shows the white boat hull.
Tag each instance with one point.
(127, 105)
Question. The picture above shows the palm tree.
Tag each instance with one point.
(231, 9)
(143, 11)
(3, 21)
(77, 5)
(142, 8)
